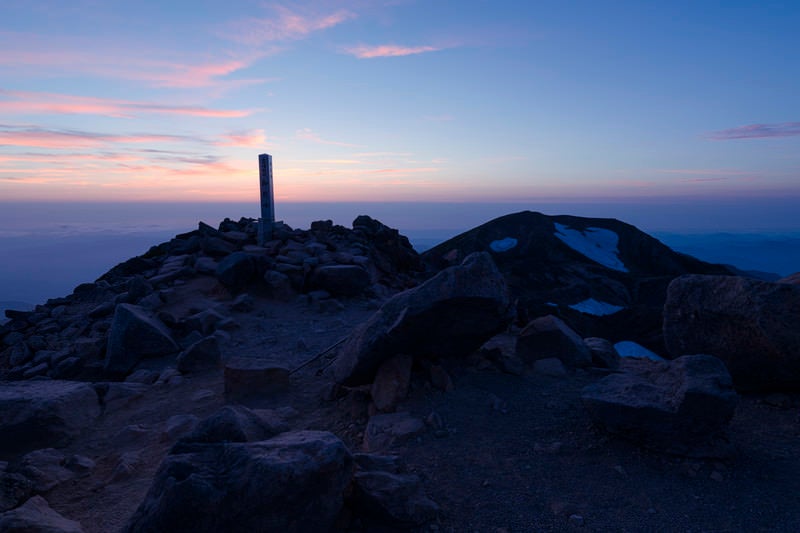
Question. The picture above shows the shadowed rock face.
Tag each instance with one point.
(451, 314)
(293, 482)
(753, 326)
(541, 268)
(134, 335)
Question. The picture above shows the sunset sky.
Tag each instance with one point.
(399, 100)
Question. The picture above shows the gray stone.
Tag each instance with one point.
(549, 336)
(205, 322)
(393, 498)
(391, 382)
(604, 355)
(385, 431)
(135, 335)
(36, 516)
(451, 314)
(236, 270)
(681, 406)
(237, 423)
(206, 265)
(279, 285)
(46, 468)
(751, 325)
(48, 412)
(178, 426)
(292, 483)
(201, 355)
(251, 377)
(115, 396)
(341, 280)
(14, 490)
(550, 366)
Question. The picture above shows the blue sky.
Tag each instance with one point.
(399, 100)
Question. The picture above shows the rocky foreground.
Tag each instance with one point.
(536, 373)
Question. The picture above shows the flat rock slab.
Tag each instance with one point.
(44, 413)
(681, 406)
(251, 377)
(293, 482)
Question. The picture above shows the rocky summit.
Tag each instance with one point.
(536, 373)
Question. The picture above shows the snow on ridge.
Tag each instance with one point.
(594, 307)
(503, 245)
(632, 349)
(598, 244)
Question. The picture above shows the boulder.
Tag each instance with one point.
(293, 483)
(751, 325)
(384, 431)
(547, 337)
(393, 498)
(236, 423)
(603, 353)
(341, 280)
(247, 377)
(134, 335)
(51, 412)
(681, 406)
(36, 516)
(14, 489)
(451, 314)
(391, 382)
(203, 354)
(236, 270)
(279, 285)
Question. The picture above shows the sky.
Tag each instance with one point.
(390, 101)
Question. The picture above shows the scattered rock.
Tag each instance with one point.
(46, 468)
(293, 482)
(393, 498)
(750, 324)
(681, 406)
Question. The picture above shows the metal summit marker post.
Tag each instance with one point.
(267, 220)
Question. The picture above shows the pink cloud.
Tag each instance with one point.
(306, 134)
(34, 102)
(363, 51)
(758, 131)
(253, 138)
(284, 24)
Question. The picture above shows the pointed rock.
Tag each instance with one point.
(134, 335)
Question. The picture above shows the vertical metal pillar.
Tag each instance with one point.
(267, 220)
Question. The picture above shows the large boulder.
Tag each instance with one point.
(681, 406)
(134, 335)
(751, 325)
(44, 413)
(237, 270)
(237, 423)
(36, 516)
(451, 314)
(293, 482)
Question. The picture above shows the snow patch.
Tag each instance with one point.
(598, 244)
(503, 245)
(596, 307)
(632, 349)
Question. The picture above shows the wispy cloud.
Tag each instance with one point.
(37, 137)
(709, 172)
(48, 103)
(365, 51)
(251, 138)
(284, 24)
(306, 134)
(758, 131)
